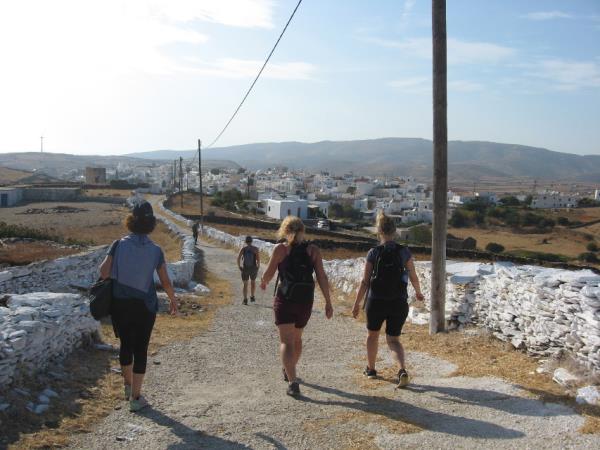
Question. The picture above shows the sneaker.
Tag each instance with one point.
(293, 389)
(245, 301)
(402, 378)
(252, 299)
(127, 391)
(370, 373)
(285, 378)
(138, 404)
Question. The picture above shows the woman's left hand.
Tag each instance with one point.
(328, 310)
(173, 310)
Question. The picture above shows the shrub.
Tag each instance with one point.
(458, 219)
(563, 221)
(589, 257)
(494, 247)
(511, 200)
(540, 256)
(592, 247)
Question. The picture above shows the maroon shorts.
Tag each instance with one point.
(289, 312)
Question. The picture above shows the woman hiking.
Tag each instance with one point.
(131, 262)
(295, 260)
(388, 268)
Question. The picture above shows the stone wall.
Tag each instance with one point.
(39, 327)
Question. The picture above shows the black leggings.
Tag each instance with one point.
(133, 322)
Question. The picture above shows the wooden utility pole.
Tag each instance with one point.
(200, 186)
(174, 175)
(437, 321)
(181, 180)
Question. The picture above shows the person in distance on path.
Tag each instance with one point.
(388, 268)
(248, 261)
(131, 263)
(195, 232)
(295, 260)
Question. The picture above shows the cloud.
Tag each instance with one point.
(244, 68)
(568, 75)
(423, 85)
(459, 51)
(547, 15)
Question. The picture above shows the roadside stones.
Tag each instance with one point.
(564, 377)
(588, 395)
(32, 336)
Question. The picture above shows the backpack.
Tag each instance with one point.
(296, 283)
(387, 278)
(249, 257)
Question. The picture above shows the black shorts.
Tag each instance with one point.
(249, 273)
(392, 312)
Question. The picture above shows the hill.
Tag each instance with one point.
(470, 160)
(8, 176)
(56, 164)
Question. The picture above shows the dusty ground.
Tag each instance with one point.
(562, 241)
(223, 389)
(21, 253)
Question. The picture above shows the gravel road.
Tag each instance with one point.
(224, 390)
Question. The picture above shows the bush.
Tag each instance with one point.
(592, 247)
(344, 211)
(587, 203)
(589, 257)
(540, 256)
(227, 199)
(510, 201)
(494, 248)
(458, 219)
(563, 221)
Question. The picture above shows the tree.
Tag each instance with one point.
(241, 170)
(458, 219)
(587, 203)
(592, 247)
(563, 221)
(511, 200)
(589, 257)
(494, 247)
(215, 171)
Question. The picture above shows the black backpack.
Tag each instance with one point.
(249, 258)
(387, 278)
(296, 283)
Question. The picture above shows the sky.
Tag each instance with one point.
(122, 76)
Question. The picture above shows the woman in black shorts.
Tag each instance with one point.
(295, 260)
(388, 268)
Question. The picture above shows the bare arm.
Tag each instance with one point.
(257, 253)
(239, 258)
(166, 284)
(414, 279)
(362, 289)
(276, 257)
(320, 272)
(106, 267)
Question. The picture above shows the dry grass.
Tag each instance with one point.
(170, 245)
(21, 253)
(94, 390)
(562, 241)
(8, 176)
(125, 193)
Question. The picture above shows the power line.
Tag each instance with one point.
(257, 77)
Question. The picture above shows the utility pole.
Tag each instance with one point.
(181, 180)
(41, 144)
(174, 175)
(200, 185)
(437, 321)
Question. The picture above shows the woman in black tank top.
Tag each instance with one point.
(387, 271)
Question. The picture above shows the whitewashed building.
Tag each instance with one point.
(279, 209)
(553, 200)
(597, 194)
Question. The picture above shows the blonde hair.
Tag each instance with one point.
(385, 225)
(291, 229)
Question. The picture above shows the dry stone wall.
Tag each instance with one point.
(39, 327)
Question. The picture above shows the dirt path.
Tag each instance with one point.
(223, 390)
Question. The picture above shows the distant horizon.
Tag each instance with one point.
(132, 153)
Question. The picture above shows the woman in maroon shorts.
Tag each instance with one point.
(295, 260)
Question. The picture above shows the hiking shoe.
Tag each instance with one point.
(252, 299)
(245, 301)
(127, 391)
(370, 373)
(402, 378)
(285, 378)
(138, 404)
(293, 389)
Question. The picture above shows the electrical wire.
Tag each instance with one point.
(257, 76)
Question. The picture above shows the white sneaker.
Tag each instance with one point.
(138, 404)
